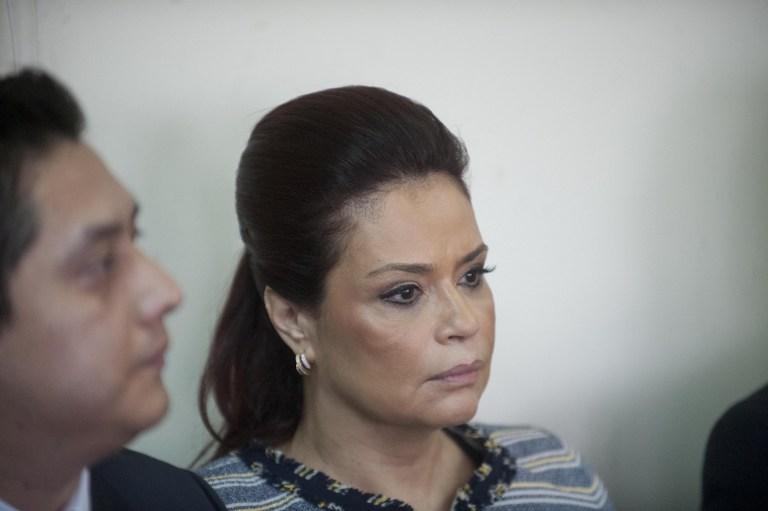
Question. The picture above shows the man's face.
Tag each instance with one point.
(83, 354)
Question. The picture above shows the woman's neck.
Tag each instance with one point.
(418, 465)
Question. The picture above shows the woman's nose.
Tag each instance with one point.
(458, 318)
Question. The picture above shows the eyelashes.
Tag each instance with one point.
(409, 294)
(107, 258)
(474, 277)
(98, 271)
(402, 295)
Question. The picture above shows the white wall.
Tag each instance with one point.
(619, 170)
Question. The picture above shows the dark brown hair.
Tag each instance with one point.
(305, 161)
(36, 112)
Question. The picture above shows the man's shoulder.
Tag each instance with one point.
(128, 460)
(735, 456)
(743, 429)
(129, 480)
(752, 408)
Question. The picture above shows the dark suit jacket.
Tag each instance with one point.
(736, 460)
(131, 481)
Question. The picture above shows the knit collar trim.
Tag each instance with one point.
(489, 481)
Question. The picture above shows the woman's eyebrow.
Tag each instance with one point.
(417, 268)
(421, 269)
(482, 247)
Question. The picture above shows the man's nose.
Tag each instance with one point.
(159, 294)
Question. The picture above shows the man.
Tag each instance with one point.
(82, 340)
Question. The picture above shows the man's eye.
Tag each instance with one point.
(402, 295)
(100, 267)
(107, 263)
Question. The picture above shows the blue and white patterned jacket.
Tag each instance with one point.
(524, 469)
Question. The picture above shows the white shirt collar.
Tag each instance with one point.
(80, 501)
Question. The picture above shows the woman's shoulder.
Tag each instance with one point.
(227, 465)
(240, 485)
(521, 440)
(547, 468)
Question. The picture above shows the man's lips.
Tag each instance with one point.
(157, 358)
(461, 373)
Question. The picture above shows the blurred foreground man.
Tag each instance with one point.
(82, 340)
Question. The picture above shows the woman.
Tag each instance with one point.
(357, 337)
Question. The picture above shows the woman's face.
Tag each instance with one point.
(406, 329)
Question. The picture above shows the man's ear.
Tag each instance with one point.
(294, 325)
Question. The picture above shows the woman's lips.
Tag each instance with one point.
(462, 374)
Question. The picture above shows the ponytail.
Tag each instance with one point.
(249, 373)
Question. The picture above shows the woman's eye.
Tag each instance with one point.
(474, 277)
(403, 295)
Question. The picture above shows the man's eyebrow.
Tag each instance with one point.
(421, 269)
(108, 230)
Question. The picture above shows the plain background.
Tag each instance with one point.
(619, 172)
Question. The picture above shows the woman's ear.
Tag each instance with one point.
(291, 322)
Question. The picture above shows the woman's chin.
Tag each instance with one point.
(457, 413)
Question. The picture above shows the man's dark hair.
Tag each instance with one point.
(36, 113)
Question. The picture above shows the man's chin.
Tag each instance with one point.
(146, 415)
